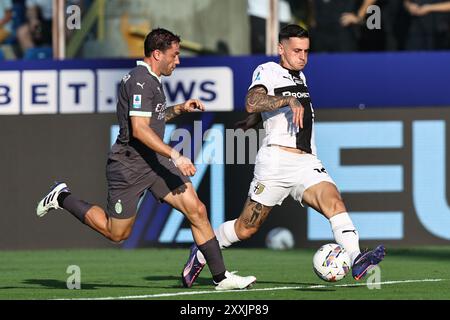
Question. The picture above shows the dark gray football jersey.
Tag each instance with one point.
(141, 94)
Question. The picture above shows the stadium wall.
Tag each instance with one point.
(389, 162)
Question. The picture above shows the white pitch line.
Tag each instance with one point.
(191, 293)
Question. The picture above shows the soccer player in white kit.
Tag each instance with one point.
(286, 163)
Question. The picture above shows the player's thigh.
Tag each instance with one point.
(252, 217)
(121, 215)
(125, 187)
(325, 198)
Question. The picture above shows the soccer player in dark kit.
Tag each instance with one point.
(140, 160)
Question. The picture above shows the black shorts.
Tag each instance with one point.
(126, 185)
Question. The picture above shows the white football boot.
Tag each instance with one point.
(233, 282)
(50, 201)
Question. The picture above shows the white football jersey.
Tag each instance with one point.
(278, 125)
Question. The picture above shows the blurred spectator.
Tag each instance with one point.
(37, 31)
(340, 25)
(258, 11)
(332, 26)
(369, 39)
(354, 18)
(394, 25)
(300, 12)
(422, 10)
(429, 28)
(5, 19)
(395, 22)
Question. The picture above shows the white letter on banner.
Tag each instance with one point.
(331, 138)
(77, 91)
(39, 94)
(108, 81)
(9, 92)
(429, 177)
(212, 85)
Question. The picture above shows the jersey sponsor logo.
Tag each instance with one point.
(297, 95)
(161, 108)
(141, 85)
(137, 101)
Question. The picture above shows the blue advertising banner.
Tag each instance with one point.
(360, 80)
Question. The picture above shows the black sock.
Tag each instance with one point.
(213, 256)
(78, 208)
(62, 196)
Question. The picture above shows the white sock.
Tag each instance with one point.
(346, 234)
(225, 234)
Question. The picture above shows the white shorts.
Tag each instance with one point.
(279, 173)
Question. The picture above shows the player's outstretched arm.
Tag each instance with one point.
(257, 100)
(190, 105)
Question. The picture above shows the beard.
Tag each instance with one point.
(167, 72)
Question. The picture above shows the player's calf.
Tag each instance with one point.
(245, 232)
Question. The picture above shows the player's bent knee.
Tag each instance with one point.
(119, 238)
(119, 229)
(198, 213)
(201, 210)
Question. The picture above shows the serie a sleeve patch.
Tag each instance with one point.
(137, 101)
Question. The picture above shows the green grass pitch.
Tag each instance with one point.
(416, 273)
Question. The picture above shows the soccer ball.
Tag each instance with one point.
(280, 239)
(331, 262)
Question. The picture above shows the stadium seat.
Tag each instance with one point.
(38, 53)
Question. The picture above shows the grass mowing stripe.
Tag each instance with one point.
(187, 293)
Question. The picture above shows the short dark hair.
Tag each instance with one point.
(292, 30)
(159, 39)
